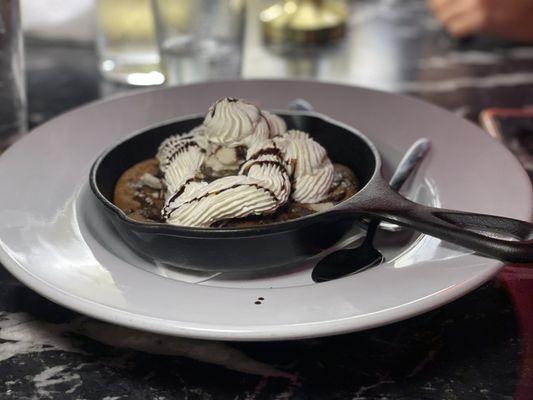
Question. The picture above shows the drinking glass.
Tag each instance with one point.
(12, 85)
(126, 42)
(199, 39)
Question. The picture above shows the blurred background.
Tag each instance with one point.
(471, 57)
(394, 45)
(464, 55)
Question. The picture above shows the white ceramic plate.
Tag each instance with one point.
(53, 239)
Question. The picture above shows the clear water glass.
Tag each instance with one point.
(13, 118)
(199, 40)
(126, 42)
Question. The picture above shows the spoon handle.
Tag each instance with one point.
(300, 105)
(405, 168)
(409, 162)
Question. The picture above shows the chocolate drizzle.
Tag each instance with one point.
(214, 106)
(276, 163)
(180, 191)
(167, 214)
(242, 126)
(240, 152)
(273, 151)
(182, 147)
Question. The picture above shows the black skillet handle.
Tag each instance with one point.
(502, 238)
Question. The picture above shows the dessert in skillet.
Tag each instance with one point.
(240, 168)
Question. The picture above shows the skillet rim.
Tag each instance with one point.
(259, 230)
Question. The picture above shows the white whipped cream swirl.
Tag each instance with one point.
(265, 163)
(263, 182)
(235, 196)
(230, 121)
(262, 187)
(180, 159)
(309, 165)
(233, 122)
(276, 125)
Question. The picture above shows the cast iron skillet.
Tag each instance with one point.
(290, 243)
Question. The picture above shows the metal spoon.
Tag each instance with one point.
(346, 262)
(300, 105)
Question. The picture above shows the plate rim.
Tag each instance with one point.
(164, 326)
(252, 333)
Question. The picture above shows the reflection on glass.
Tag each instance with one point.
(12, 88)
(199, 39)
(126, 42)
(305, 21)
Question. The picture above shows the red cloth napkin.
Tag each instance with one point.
(519, 282)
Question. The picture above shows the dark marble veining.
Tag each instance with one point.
(478, 347)
(469, 349)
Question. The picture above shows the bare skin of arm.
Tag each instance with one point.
(510, 19)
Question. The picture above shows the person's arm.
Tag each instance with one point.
(511, 19)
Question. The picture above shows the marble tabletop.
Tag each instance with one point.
(478, 347)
